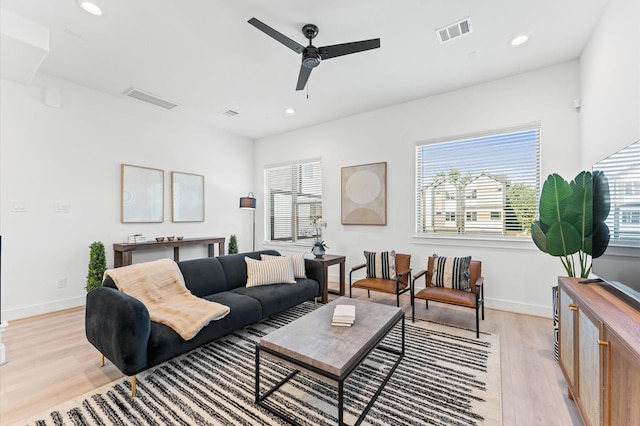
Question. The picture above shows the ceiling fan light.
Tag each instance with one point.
(90, 7)
(519, 39)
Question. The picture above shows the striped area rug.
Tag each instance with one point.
(447, 377)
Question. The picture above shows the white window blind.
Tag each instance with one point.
(294, 199)
(482, 184)
(622, 171)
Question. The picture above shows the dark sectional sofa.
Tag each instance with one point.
(118, 325)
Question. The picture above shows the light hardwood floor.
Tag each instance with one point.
(50, 361)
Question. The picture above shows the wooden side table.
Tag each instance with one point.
(328, 260)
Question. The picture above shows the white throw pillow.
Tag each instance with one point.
(297, 260)
(276, 271)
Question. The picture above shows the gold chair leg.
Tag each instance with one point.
(315, 301)
(133, 386)
(101, 360)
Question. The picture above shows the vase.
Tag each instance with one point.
(318, 250)
(554, 295)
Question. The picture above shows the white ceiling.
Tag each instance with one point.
(203, 55)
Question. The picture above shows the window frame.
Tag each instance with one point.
(299, 228)
(512, 228)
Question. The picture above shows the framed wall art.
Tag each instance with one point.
(142, 194)
(364, 194)
(187, 195)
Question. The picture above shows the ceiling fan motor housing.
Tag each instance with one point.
(310, 57)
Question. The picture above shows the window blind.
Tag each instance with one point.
(483, 184)
(622, 171)
(294, 199)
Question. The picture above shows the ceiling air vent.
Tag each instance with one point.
(452, 31)
(141, 95)
(230, 113)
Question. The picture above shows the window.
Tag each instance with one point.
(622, 172)
(294, 199)
(487, 183)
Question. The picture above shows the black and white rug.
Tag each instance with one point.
(447, 377)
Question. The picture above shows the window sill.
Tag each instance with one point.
(460, 240)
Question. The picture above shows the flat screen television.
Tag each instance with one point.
(619, 265)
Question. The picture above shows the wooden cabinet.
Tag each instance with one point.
(600, 353)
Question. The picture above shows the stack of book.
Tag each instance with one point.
(344, 315)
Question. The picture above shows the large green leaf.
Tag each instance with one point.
(556, 194)
(538, 235)
(579, 210)
(563, 239)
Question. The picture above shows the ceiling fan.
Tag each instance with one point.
(311, 55)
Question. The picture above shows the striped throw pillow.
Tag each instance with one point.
(276, 271)
(451, 272)
(381, 264)
(297, 260)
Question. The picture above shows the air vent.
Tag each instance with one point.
(141, 95)
(452, 31)
(230, 113)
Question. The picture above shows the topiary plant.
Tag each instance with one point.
(233, 244)
(97, 265)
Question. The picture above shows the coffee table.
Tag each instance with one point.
(331, 353)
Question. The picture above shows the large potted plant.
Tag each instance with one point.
(572, 219)
(572, 222)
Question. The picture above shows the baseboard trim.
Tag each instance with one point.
(519, 308)
(43, 308)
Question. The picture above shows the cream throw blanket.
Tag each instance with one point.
(159, 285)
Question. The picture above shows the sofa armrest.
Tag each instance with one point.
(315, 271)
(119, 326)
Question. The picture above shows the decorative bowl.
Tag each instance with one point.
(159, 239)
(180, 238)
(171, 238)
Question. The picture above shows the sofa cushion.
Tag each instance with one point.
(203, 276)
(277, 298)
(381, 264)
(451, 272)
(276, 271)
(165, 343)
(297, 261)
(235, 267)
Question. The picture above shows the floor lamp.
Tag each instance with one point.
(249, 202)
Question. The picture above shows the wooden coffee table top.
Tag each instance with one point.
(312, 339)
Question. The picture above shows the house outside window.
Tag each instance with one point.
(293, 200)
(484, 184)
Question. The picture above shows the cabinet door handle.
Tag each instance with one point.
(603, 343)
(573, 307)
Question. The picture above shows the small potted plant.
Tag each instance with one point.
(319, 247)
(97, 265)
(233, 244)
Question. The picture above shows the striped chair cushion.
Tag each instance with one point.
(451, 272)
(381, 264)
(297, 260)
(276, 271)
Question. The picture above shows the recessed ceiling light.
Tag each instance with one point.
(520, 39)
(90, 7)
(290, 111)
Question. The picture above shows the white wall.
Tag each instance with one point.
(610, 83)
(73, 154)
(518, 276)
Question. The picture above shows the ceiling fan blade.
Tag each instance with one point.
(293, 45)
(328, 52)
(303, 77)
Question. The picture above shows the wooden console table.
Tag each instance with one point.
(328, 260)
(122, 252)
